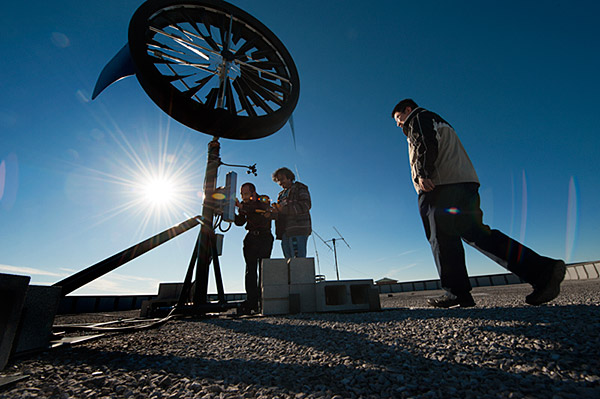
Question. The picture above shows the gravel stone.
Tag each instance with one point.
(502, 348)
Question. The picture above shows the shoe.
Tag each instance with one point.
(449, 300)
(548, 290)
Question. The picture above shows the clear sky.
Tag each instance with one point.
(518, 80)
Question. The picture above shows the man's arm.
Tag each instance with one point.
(423, 137)
(240, 218)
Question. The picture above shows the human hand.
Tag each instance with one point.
(426, 185)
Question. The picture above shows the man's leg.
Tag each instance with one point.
(266, 247)
(251, 256)
(544, 274)
(438, 216)
(502, 249)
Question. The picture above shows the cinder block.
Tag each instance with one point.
(274, 272)
(419, 286)
(568, 275)
(85, 305)
(302, 270)
(306, 295)
(406, 287)
(279, 291)
(385, 289)
(275, 306)
(106, 304)
(169, 290)
(571, 273)
(591, 270)
(498, 279)
(344, 295)
(13, 290)
(374, 300)
(581, 272)
(513, 279)
(41, 304)
(483, 281)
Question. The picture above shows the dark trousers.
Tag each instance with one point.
(452, 213)
(256, 247)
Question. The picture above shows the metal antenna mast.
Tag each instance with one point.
(333, 240)
(316, 253)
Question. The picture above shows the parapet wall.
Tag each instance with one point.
(575, 271)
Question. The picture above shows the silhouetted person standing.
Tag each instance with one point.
(448, 190)
(258, 242)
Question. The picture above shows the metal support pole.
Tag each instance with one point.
(91, 273)
(204, 249)
(337, 271)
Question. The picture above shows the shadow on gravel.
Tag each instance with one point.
(348, 360)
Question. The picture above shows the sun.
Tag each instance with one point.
(159, 191)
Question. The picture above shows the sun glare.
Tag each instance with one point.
(159, 191)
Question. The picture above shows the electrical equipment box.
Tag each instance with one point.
(229, 192)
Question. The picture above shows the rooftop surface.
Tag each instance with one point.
(502, 348)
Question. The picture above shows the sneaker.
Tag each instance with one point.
(549, 289)
(449, 300)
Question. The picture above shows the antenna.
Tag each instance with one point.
(337, 271)
(316, 253)
(317, 256)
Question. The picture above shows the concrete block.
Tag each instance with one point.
(571, 273)
(294, 301)
(106, 304)
(419, 286)
(306, 296)
(41, 304)
(498, 279)
(125, 303)
(591, 270)
(406, 287)
(581, 272)
(345, 295)
(568, 275)
(513, 279)
(274, 272)
(169, 290)
(85, 305)
(385, 289)
(280, 291)
(302, 270)
(275, 306)
(374, 300)
(66, 305)
(483, 281)
(13, 290)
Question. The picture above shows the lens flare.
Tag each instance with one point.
(453, 211)
(523, 209)
(572, 219)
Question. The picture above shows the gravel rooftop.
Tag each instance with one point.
(502, 348)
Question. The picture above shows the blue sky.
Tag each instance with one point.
(518, 80)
